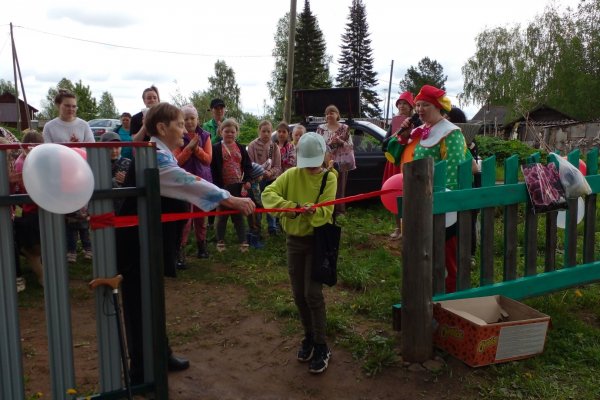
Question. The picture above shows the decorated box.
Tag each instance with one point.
(489, 330)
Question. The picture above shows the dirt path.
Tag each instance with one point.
(235, 353)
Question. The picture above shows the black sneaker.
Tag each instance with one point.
(320, 359)
(306, 350)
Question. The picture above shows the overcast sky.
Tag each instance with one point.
(238, 31)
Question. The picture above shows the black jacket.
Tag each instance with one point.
(216, 166)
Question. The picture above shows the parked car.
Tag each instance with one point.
(370, 161)
(103, 125)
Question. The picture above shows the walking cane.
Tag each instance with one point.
(114, 284)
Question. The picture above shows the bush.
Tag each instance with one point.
(492, 146)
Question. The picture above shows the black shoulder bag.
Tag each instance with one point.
(326, 243)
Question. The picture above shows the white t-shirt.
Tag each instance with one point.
(59, 131)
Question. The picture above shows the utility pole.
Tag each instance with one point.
(17, 69)
(14, 54)
(289, 80)
(387, 109)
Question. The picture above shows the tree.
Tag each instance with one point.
(311, 63)
(87, 108)
(555, 60)
(49, 110)
(106, 106)
(201, 100)
(224, 86)
(7, 86)
(428, 72)
(279, 74)
(356, 60)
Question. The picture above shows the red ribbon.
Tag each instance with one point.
(108, 220)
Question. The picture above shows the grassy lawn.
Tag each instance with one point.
(359, 309)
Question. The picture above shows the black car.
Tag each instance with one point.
(370, 161)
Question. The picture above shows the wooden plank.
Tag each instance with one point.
(439, 254)
(533, 286)
(488, 179)
(417, 313)
(511, 216)
(530, 241)
(469, 199)
(463, 275)
(550, 251)
(589, 229)
(570, 241)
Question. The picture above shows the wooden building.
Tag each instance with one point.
(8, 111)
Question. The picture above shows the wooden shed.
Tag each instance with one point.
(8, 111)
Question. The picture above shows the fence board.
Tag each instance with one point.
(550, 251)
(511, 216)
(417, 313)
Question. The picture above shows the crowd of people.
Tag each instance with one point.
(202, 167)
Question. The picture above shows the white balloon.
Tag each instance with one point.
(451, 217)
(57, 178)
(561, 216)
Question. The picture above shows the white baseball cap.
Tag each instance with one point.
(311, 150)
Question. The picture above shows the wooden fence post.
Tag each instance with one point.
(417, 245)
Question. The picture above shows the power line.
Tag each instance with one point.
(180, 53)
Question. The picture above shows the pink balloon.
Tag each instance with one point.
(582, 167)
(80, 151)
(390, 200)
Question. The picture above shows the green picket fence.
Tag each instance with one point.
(516, 270)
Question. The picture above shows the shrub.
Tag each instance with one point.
(502, 149)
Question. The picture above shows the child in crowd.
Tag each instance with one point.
(119, 165)
(231, 169)
(265, 152)
(14, 179)
(27, 227)
(195, 157)
(286, 148)
(299, 188)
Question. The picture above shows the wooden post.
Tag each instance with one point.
(417, 311)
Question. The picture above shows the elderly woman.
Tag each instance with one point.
(195, 156)
(339, 144)
(442, 140)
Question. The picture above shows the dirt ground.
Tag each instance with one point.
(235, 353)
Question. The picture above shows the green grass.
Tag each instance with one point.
(359, 308)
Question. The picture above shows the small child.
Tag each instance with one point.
(231, 170)
(119, 165)
(286, 148)
(27, 228)
(265, 152)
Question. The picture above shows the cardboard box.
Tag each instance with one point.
(489, 330)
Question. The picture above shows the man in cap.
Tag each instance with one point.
(217, 110)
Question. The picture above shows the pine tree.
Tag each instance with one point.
(106, 106)
(311, 63)
(428, 72)
(356, 60)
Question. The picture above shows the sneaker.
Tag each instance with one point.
(87, 254)
(20, 284)
(320, 359)
(306, 350)
(72, 257)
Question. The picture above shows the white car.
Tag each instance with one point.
(103, 125)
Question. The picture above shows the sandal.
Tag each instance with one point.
(244, 247)
(221, 246)
(397, 234)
